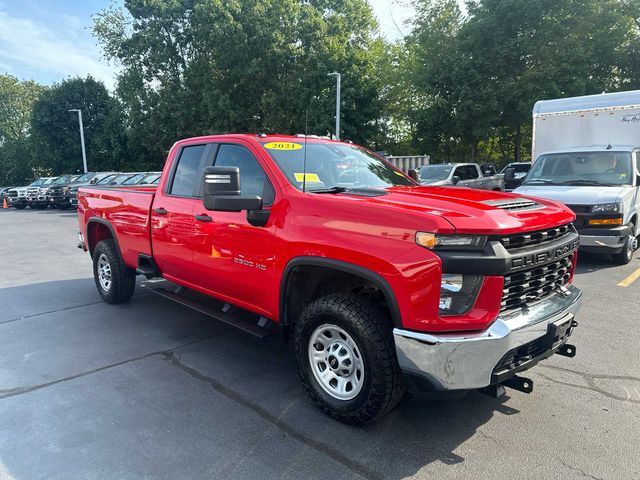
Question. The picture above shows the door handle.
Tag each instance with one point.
(203, 218)
(160, 211)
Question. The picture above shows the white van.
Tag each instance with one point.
(585, 154)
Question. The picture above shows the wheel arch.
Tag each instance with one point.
(99, 229)
(332, 269)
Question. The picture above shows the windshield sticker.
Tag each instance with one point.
(282, 146)
(309, 177)
(398, 173)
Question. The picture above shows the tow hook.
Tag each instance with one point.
(522, 384)
(567, 350)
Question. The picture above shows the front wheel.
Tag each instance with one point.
(626, 254)
(115, 281)
(347, 359)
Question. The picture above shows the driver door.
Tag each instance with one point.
(235, 260)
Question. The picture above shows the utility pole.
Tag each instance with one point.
(338, 87)
(84, 153)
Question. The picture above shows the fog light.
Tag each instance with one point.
(458, 293)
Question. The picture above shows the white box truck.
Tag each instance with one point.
(585, 154)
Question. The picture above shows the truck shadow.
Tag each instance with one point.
(592, 262)
(68, 335)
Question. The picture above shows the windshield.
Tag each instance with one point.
(435, 172)
(37, 183)
(582, 168)
(49, 181)
(333, 165)
(518, 167)
(84, 178)
(133, 180)
(106, 179)
(63, 179)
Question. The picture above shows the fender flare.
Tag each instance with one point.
(340, 266)
(104, 222)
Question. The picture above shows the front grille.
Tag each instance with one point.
(33, 191)
(535, 238)
(534, 284)
(13, 193)
(580, 208)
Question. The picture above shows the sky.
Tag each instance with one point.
(49, 40)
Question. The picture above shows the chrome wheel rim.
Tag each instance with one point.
(336, 362)
(104, 272)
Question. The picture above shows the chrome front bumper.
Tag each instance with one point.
(465, 361)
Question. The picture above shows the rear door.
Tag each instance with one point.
(235, 260)
(172, 221)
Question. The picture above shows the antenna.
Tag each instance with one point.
(304, 162)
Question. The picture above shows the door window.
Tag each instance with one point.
(460, 173)
(253, 180)
(188, 171)
(471, 172)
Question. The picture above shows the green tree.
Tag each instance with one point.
(55, 130)
(483, 72)
(194, 67)
(16, 156)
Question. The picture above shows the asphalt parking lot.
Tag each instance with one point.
(151, 389)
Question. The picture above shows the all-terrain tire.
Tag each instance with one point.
(114, 280)
(369, 328)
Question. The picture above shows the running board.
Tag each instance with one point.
(255, 328)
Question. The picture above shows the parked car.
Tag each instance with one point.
(517, 172)
(585, 154)
(38, 193)
(89, 178)
(17, 197)
(4, 194)
(460, 175)
(59, 191)
(381, 283)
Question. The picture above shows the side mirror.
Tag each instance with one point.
(412, 173)
(93, 181)
(221, 191)
(455, 179)
(510, 174)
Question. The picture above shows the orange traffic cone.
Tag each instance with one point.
(4, 203)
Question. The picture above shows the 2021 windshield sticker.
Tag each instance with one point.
(282, 146)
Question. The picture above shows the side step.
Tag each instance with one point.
(245, 324)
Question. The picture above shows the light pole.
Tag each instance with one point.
(338, 86)
(84, 153)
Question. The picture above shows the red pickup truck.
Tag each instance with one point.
(379, 283)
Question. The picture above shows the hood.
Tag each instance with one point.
(574, 195)
(478, 211)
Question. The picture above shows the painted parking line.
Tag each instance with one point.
(630, 279)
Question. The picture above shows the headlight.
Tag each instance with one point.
(607, 208)
(457, 293)
(451, 242)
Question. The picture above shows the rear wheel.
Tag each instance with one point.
(626, 255)
(115, 281)
(347, 359)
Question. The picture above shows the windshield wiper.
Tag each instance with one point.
(329, 190)
(594, 183)
(539, 181)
